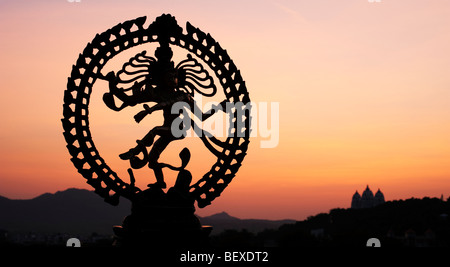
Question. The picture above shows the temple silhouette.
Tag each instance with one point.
(367, 200)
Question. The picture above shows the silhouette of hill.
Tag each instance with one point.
(74, 211)
(79, 211)
(412, 222)
(222, 221)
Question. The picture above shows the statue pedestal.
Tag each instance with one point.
(162, 220)
(167, 237)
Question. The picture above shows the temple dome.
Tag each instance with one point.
(367, 200)
(379, 197)
(356, 200)
(367, 194)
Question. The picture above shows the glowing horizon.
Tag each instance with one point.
(362, 90)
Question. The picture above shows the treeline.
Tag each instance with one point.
(411, 222)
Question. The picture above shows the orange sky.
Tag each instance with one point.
(363, 90)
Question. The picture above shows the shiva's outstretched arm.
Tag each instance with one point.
(108, 98)
(149, 110)
(204, 116)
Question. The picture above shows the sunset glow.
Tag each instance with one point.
(363, 91)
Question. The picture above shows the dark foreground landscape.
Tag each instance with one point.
(51, 219)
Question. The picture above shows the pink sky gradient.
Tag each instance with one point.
(364, 95)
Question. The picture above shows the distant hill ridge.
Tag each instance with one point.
(223, 221)
(80, 211)
(75, 211)
(412, 222)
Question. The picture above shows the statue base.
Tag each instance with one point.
(175, 237)
(158, 219)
